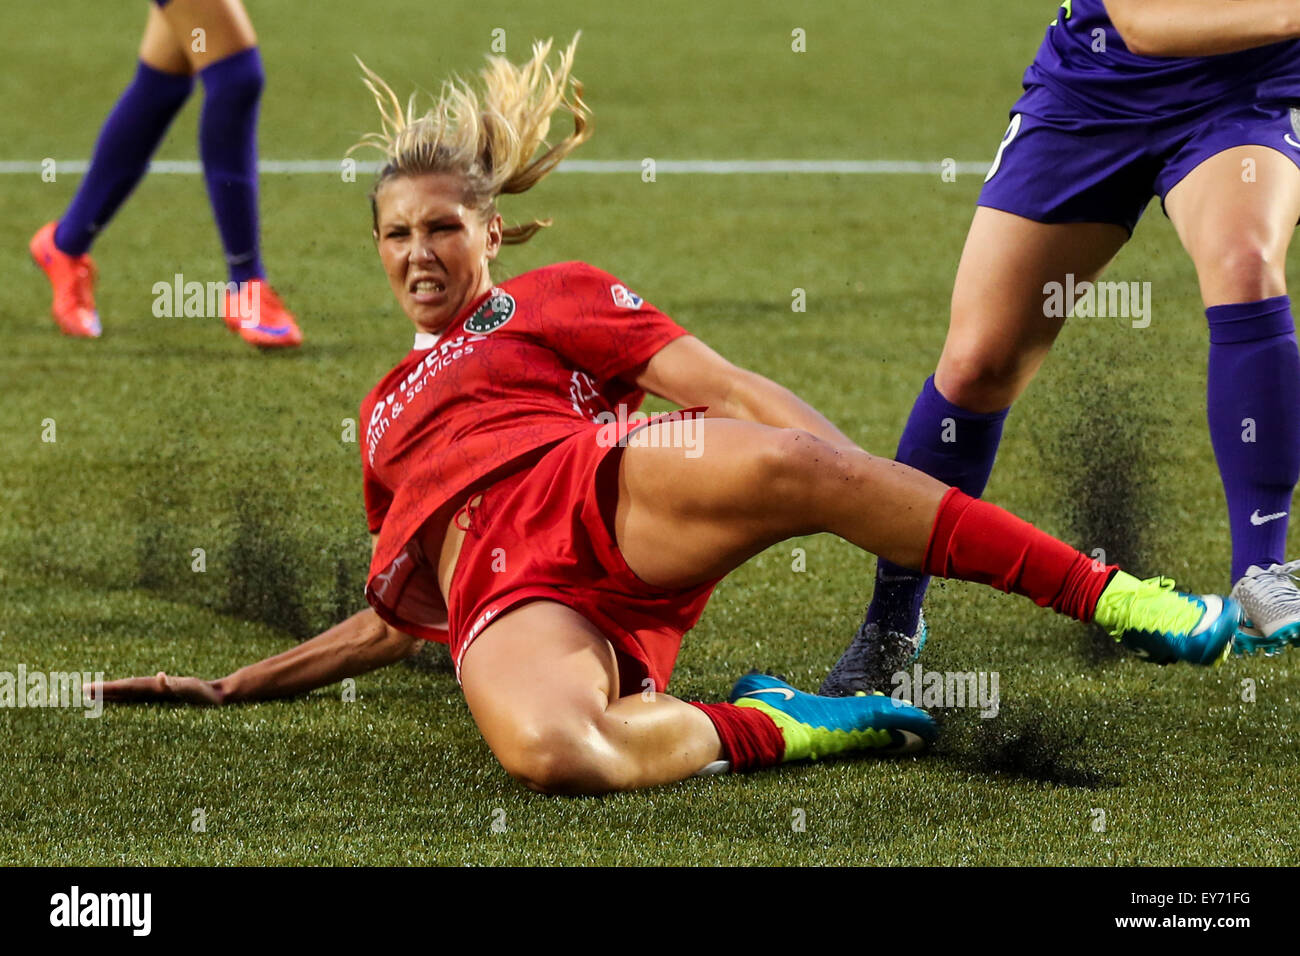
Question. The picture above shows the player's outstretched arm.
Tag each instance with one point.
(688, 372)
(362, 643)
(358, 645)
(1203, 27)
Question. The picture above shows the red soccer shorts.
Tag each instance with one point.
(547, 534)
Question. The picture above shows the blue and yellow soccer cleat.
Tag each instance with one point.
(815, 726)
(1168, 625)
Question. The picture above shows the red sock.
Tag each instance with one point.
(976, 541)
(750, 738)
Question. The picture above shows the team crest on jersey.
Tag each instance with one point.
(492, 314)
(624, 297)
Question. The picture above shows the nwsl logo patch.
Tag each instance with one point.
(625, 298)
(492, 314)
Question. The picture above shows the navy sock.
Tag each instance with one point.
(130, 135)
(957, 447)
(228, 147)
(1253, 406)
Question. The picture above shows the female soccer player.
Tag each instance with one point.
(1197, 102)
(561, 549)
(213, 39)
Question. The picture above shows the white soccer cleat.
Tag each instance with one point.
(1270, 599)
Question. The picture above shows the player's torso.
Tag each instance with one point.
(492, 372)
(1084, 62)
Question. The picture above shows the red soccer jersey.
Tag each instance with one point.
(523, 367)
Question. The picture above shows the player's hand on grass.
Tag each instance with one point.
(130, 690)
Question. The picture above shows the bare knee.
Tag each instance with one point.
(979, 380)
(789, 455)
(795, 471)
(1242, 270)
(562, 758)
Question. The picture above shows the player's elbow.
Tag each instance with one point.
(1140, 41)
(1135, 29)
(404, 645)
(1139, 45)
(390, 644)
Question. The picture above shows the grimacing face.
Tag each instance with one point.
(435, 250)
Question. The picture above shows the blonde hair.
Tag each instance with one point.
(488, 138)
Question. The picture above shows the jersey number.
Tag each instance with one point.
(1012, 130)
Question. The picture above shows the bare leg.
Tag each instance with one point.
(681, 520)
(208, 31)
(998, 337)
(1237, 230)
(542, 681)
(998, 334)
(542, 684)
(160, 48)
(1235, 214)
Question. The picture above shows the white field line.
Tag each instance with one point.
(718, 167)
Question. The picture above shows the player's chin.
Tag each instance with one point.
(430, 317)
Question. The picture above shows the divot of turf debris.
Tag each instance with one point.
(1101, 463)
(1037, 745)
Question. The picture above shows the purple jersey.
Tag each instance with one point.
(1084, 73)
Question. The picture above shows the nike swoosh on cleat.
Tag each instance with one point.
(783, 691)
(1213, 608)
(1258, 519)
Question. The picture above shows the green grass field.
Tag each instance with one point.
(172, 435)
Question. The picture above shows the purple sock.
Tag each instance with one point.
(957, 447)
(128, 138)
(228, 147)
(1253, 405)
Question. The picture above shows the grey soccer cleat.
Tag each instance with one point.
(869, 664)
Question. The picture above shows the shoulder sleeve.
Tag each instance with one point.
(601, 326)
